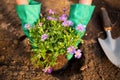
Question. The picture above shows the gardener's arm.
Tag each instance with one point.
(81, 13)
(19, 2)
(87, 2)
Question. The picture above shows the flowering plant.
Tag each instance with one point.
(54, 36)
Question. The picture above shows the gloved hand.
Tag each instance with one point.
(28, 14)
(80, 14)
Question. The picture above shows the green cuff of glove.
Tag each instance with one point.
(28, 14)
(30, 1)
(80, 13)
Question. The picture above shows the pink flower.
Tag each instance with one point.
(47, 70)
(27, 26)
(80, 27)
(63, 17)
(51, 11)
(64, 10)
(71, 50)
(44, 37)
(44, 70)
(40, 24)
(51, 18)
(67, 23)
(78, 54)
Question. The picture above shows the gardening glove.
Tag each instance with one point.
(28, 14)
(80, 14)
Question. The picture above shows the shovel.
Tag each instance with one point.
(110, 46)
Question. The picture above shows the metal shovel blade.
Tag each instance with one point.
(111, 47)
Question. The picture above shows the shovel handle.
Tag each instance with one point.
(106, 19)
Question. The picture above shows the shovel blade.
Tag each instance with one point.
(111, 47)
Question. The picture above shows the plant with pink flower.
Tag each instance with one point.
(54, 36)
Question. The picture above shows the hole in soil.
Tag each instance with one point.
(22, 38)
(73, 67)
(3, 64)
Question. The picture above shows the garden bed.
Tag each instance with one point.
(15, 55)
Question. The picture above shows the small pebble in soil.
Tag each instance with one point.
(15, 41)
(84, 67)
(3, 48)
(86, 34)
(2, 58)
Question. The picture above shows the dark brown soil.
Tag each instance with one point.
(94, 65)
